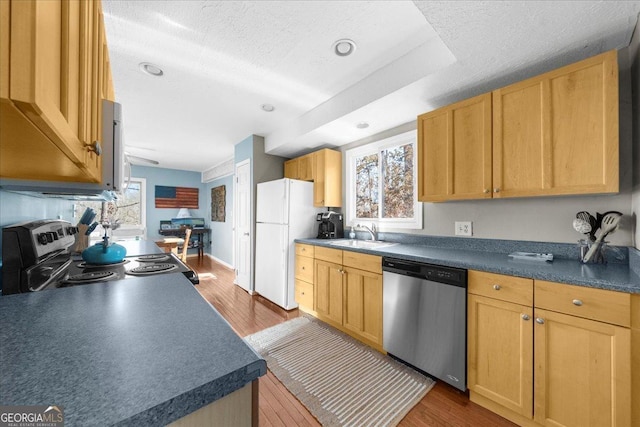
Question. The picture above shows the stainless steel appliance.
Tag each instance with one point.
(36, 256)
(113, 166)
(425, 316)
(331, 225)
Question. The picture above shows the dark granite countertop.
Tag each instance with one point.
(612, 276)
(139, 351)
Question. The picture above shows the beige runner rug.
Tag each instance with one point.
(341, 381)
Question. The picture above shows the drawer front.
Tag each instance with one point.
(304, 250)
(360, 261)
(304, 294)
(328, 254)
(304, 268)
(590, 303)
(506, 288)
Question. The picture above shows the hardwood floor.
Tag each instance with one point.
(442, 406)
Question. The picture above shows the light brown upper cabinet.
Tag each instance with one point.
(327, 189)
(454, 146)
(300, 168)
(324, 168)
(553, 134)
(52, 88)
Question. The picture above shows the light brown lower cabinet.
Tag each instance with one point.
(565, 360)
(582, 372)
(500, 353)
(347, 291)
(304, 273)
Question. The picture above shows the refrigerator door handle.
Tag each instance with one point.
(283, 245)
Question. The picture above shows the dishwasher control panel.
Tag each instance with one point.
(437, 273)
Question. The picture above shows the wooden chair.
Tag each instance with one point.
(185, 245)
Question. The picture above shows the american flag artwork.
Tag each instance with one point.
(176, 197)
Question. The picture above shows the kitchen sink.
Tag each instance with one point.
(364, 244)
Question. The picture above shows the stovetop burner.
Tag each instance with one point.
(153, 258)
(90, 277)
(86, 265)
(152, 269)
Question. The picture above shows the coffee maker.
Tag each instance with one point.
(331, 226)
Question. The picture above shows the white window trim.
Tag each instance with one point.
(386, 223)
(129, 230)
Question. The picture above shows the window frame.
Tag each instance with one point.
(129, 231)
(351, 155)
(125, 229)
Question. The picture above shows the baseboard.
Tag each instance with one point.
(219, 261)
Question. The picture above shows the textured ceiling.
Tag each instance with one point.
(223, 59)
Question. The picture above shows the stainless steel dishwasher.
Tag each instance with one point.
(425, 318)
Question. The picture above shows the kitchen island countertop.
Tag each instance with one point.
(140, 351)
(616, 277)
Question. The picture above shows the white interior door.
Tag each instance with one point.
(243, 225)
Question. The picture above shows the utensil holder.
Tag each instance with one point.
(82, 240)
(599, 257)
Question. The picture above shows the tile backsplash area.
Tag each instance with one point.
(615, 254)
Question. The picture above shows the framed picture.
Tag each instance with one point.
(218, 203)
(176, 197)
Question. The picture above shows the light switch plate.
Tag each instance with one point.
(464, 228)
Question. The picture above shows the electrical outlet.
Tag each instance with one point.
(464, 228)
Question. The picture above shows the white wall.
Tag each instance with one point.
(543, 219)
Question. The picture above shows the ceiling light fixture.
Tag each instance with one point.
(344, 47)
(151, 69)
(268, 107)
(362, 125)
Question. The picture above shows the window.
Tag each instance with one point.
(382, 183)
(129, 210)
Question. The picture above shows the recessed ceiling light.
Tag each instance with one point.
(362, 125)
(344, 47)
(268, 107)
(151, 69)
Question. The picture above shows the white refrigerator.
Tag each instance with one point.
(284, 213)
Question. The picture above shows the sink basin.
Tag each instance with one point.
(364, 244)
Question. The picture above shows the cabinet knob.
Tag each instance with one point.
(540, 320)
(341, 271)
(526, 317)
(95, 147)
(497, 287)
(303, 268)
(304, 249)
(496, 190)
(486, 191)
(577, 302)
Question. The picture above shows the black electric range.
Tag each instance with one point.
(36, 256)
(82, 273)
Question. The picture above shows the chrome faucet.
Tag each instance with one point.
(371, 230)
